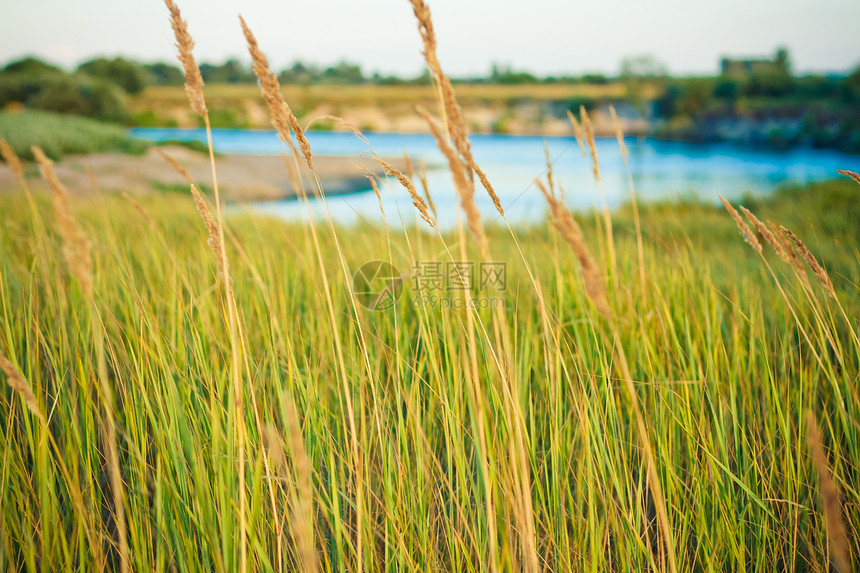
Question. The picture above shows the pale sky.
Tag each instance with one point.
(543, 36)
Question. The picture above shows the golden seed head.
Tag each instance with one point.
(746, 232)
(185, 45)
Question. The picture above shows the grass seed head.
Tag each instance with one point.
(572, 233)
(76, 246)
(185, 45)
(850, 174)
(11, 158)
(745, 230)
(20, 386)
(811, 262)
(283, 118)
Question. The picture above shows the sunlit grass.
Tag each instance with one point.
(724, 365)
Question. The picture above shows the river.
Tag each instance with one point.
(660, 170)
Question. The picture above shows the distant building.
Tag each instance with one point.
(741, 68)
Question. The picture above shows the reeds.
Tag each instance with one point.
(417, 199)
(588, 129)
(570, 230)
(185, 45)
(20, 386)
(176, 165)
(850, 174)
(745, 230)
(811, 262)
(837, 540)
(76, 246)
(577, 132)
(283, 118)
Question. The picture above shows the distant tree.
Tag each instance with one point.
(727, 89)
(782, 60)
(343, 73)
(161, 74)
(645, 66)
(127, 74)
(636, 73)
(30, 65)
(230, 72)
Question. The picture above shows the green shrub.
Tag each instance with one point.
(60, 135)
(64, 93)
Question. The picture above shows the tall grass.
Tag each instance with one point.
(232, 406)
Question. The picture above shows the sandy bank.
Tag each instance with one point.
(240, 177)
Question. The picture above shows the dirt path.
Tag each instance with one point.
(240, 177)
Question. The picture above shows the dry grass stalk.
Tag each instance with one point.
(577, 132)
(11, 158)
(811, 262)
(342, 123)
(417, 200)
(619, 133)
(76, 246)
(184, 43)
(422, 176)
(850, 174)
(572, 233)
(837, 540)
(787, 245)
(456, 123)
(463, 184)
(769, 237)
(486, 183)
(282, 116)
(589, 139)
(549, 174)
(410, 172)
(214, 240)
(140, 209)
(302, 518)
(20, 386)
(747, 233)
(372, 178)
(176, 166)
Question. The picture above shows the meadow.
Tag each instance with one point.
(667, 387)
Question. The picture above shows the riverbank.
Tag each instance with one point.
(240, 177)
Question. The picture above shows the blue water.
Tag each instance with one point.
(660, 170)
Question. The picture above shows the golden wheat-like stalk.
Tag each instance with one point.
(746, 232)
(577, 132)
(76, 246)
(150, 222)
(20, 386)
(176, 165)
(769, 237)
(465, 187)
(787, 245)
(185, 45)
(456, 123)
(811, 262)
(572, 233)
(422, 176)
(482, 177)
(214, 240)
(372, 178)
(282, 115)
(850, 174)
(302, 514)
(619, 133)
(588, 128)
(837, 539)
(11, 158)
(417, 200)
